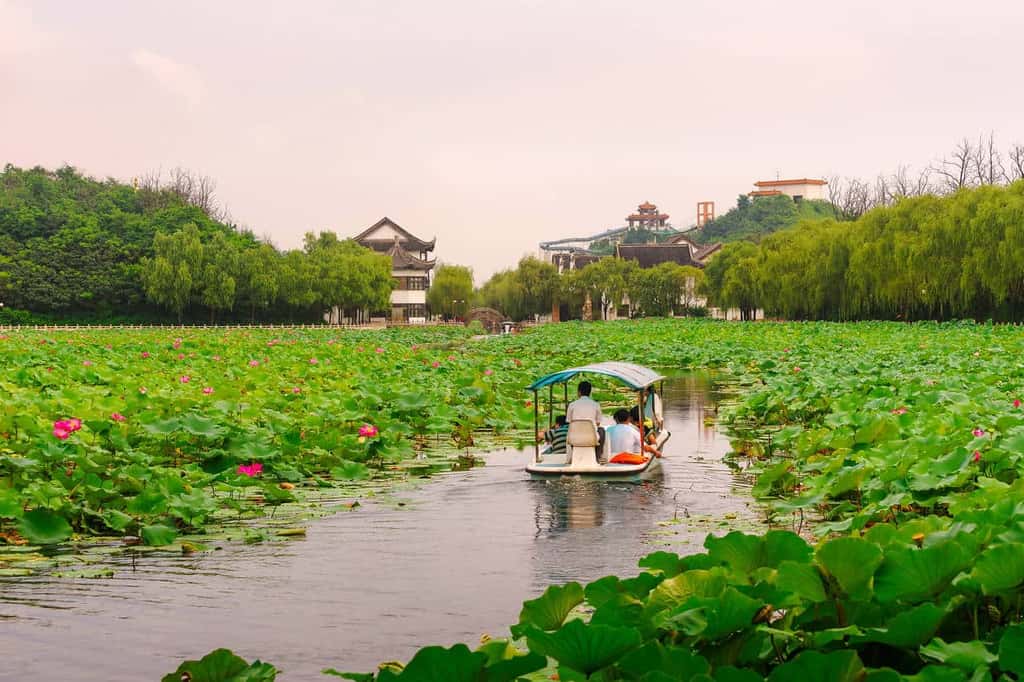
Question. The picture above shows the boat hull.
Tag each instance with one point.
(555, 465)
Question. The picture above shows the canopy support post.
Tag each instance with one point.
(536, 428)
(551, 404)
(565, 397)
(640, 402)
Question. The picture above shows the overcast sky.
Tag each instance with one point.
(494, 125)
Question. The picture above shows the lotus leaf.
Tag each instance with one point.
(44, 527)
(583, 648)
(222, 666)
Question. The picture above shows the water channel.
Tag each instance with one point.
(375, 584)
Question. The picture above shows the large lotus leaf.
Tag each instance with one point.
(116, 520)
(802, 580)
(675, 591)
(914, 575)
(10, 504)
(908, 629)
(1011, 650)
(222, 666)
(715, 617)
(668, 563)
(158, 535)
(514, 667)
(583, 647)
(549, 610)
(852, 562)
(437, 664)
(624, 610)
(162, 427)
(602, 589)
(937, 673)
(814, 666)
(350, 471)
(728, 673)
(968, 656)
(680, 663)
(44, 527)
(1000, 568)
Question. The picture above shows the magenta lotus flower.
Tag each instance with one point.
(1016, 403)
(118, 417)
(254, 363)
(145, 354)
(87, 363)
(296, 389)
(185, 379)
(313, 361)
(208, 390)
(61, 433)
(797, 369)
(451, 358)
(435, 364)
(978, 432)
(900, 410)
(75, 424)
(250, 470)
(378, 350)
(488, 372)
(977, 456)
(368, 431)
(143, 390)
(181, 356)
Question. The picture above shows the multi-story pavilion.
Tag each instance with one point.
(410, 267)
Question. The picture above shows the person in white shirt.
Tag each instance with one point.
(625, 437)
(586, 407)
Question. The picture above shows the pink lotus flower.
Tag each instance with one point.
(378, 350)
(143, 390)
(145, 354)
(313, 361)
(488, 372)
(181, 356)
(250, 470)
(296, 389)
(254, 363)
(797, 369)
(118, 417)
(87, 363)
(216, 358)
(435, 364)
(415, 347)
(900, 410)
(185, 379)
(978, 432)
(208, 390)
(785, 350)
(75, 424)
(61, 433)
(1016, 403)
(368, 430)
(451, 358)
(977, 456)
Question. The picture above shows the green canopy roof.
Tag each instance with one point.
(634, 376)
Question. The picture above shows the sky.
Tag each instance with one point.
(496, 125)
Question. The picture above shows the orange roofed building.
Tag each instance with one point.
(797, 190)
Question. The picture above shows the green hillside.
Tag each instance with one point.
(751, 219)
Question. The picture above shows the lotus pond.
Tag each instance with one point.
(887, 458)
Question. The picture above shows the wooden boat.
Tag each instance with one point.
(581, 457)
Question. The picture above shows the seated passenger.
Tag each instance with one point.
(585, 407)
(555, 436)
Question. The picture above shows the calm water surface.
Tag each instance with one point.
(377, 583)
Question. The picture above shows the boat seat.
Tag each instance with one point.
(582, 434)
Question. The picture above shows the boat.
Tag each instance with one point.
(581, 456)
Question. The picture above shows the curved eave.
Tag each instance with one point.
(633, 376)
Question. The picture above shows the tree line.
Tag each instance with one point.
(932, 257)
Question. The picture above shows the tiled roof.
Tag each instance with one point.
(784, 183)
(403, 260)
(410, 241)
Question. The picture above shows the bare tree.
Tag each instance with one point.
(883, 192)
(191, 187)
(850, 197)
(954, 171)
(987, 162)
(903, 185)
(1016, 158)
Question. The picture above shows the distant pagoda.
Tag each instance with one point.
(648, 218)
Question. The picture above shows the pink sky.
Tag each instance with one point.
(495, 125)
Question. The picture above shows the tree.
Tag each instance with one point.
(260, 272)
(451, 292)
(296, 286)
(607, 281)
(221, 262)
(348, 276)
(176, 267)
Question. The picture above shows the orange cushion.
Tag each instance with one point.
(627, 458)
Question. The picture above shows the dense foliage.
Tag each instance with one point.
(900, 447)
(76, 248)
(451, 291)
(754, 218)
(927, 257)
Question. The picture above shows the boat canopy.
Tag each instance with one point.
(634, 376)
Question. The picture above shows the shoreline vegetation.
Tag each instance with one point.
(897, 446)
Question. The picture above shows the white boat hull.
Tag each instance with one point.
(583, 462)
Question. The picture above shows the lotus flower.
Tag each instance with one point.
(185, 379)
(900, 410)
(978, 432)
(250, 470)
(208, 390)
(145, 354)
(435, 364)
(75, 424)
(368, 430)
(451, 358)
(254, 363)
(1016, 403)
(977, 456)
(143, 390)
(488, 372)
(378, 350)
(181, 356)
(61, 433)
(118, 417)
(216, 358)
(313, 361)
(87, 363)
(796, 369)
(296, 390)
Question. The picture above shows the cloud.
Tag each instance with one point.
(179, 80)
(19, 32)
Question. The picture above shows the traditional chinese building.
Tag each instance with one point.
(647, 217)
(410, 266)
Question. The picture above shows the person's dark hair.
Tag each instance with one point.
(560, 420)
(584, 388)
(634, 414)
(621, 415)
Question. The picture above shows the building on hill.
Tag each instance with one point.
(647, 217)
(798, 190)
(410, 266)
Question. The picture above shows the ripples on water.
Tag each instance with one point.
(377, 583)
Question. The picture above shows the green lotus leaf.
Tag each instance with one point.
(715, 617)
(44, 527)
(582, 647)
(678, 663)
(116, 519)
(814, 666)
(222, 666)
(437, 664)
(602, 589)
(158, 535)
(350, 471)
(728, 673)
(10, 505)
(908, 629)
(623, 610)
(852, 562)
(162, 427)
(513, 667)
(911, 574)
(802, 580)
(937, 673)
(1000, 568)
(549, 610)
(667, 563)
(744, 553)
(967, 656)
(1011, 650)
(694, 583)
